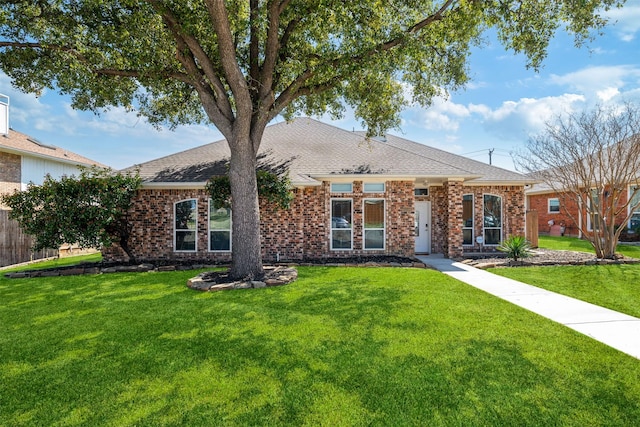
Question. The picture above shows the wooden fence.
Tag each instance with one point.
(15, 246)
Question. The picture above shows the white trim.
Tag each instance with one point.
(473, 218)
(350, 184)
(195, 230)
(637, 210)
(174, 185)
(209, 231)
(549, 199)
(384, 187)
(384, 228)
(350, 248)
(484, 228)
(27, 153)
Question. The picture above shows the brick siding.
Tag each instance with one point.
(10, 173)
(303, 232)
(568, 208)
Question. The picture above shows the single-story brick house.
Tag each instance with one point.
(556, 211)
(353, 196)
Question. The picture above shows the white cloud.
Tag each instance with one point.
(601, 83)
(442, 115)
(608, 93)
(515, 120)
(593, 80)
(625, 21)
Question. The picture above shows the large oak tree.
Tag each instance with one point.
(239, 63)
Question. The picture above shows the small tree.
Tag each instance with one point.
(90, 210)
(591, 158)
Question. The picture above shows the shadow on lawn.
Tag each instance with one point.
(335, 351)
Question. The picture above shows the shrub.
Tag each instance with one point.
(516, 247)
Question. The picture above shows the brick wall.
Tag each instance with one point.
(568, 208)
(10, 173)
(447, 215)
(302, 232)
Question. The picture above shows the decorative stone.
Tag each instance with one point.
(258, 284)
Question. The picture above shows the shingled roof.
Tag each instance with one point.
(18, 143)
(312, 151)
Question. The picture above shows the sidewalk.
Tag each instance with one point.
(614, 329)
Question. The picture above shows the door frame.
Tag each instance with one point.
(423, 236)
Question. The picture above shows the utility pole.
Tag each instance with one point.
(491, 150)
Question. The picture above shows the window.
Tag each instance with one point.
(342, 187)
(593, 216)
(492, 219)
(341, 224)
(374, 227)
(421, 192)
(634, 222)
(371, 187)
(219, 228)
(554, 205)
(185, 214)
(467, 219)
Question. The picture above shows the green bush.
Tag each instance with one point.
(516, 247)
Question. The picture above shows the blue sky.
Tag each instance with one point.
(498, 110)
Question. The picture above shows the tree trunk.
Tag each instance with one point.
(246, 261)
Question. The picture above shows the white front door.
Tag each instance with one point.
(423, 227)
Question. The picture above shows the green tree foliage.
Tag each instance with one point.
(275, 189)
(240, 63)
(90, 210)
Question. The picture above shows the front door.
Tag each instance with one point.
(423, 227)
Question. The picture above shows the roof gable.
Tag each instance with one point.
(19, 143)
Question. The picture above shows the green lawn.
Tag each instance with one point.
(340, 346)
(57, 262)
(575, 244)
(613, 286)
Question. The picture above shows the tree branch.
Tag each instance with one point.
(233, 74)
(208, 67)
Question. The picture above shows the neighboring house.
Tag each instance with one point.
(353, 196)
(555, 211)
(23, 160)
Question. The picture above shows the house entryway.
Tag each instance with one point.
(423, 227)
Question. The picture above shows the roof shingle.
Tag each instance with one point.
(311, 150)
(19, 143)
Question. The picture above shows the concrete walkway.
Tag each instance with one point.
(614, 329)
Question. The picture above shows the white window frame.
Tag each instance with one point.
(335, 184)
(473, 216)
(194, 230)
(589, 222)
(383, 229)
(549, 205)
(484, 227)
(209, 231)
(336, 199)
(365, 190)
(637, 211)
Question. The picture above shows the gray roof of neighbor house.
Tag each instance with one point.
(312, 151)
(18, 143)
